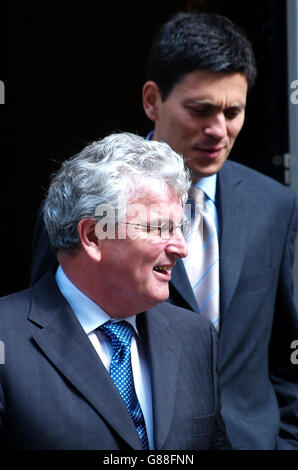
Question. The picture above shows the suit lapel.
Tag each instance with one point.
(234, 226)
(163, 352)
(182, 285)
(63, 341)
(234, 223)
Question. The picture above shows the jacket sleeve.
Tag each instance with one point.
(284, 373)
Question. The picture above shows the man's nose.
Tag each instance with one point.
(216, 126)
(177, 244)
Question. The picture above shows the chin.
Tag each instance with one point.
(158, 299)
(163, 298)
(207, 171)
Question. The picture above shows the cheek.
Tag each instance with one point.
(185, 122)
(235, 128)
(178, 121)
(149, 258)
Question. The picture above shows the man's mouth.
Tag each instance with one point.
(211, 152)
(165, 269)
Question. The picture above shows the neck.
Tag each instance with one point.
(87, 277)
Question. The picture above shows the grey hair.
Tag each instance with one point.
(107, 171)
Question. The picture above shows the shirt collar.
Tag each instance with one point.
(208, 185)
(149, 135)
(90, 315)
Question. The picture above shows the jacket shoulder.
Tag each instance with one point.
(249, 176)
(259, 189)
(183, 319)
(14, 303)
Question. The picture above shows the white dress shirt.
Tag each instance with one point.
(91, 316)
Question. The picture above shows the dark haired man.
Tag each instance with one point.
(200, 68)
(199, 71)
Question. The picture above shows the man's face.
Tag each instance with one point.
(201, 118)
(137, 270)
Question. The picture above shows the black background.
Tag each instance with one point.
(73, 73)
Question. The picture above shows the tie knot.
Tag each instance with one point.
(119, 333)
(197, 196)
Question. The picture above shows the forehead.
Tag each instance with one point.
(212, 88)
(155, 201)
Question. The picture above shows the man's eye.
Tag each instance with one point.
(199, 111)
(232, 113)
(154, 230)
(167, 229)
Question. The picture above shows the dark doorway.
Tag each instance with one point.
(73, 72)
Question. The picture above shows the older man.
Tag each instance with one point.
(91, 361)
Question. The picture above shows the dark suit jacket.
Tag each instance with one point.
(55, 392)
(259, 385)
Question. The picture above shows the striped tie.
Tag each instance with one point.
(202, 262)
(120, 335)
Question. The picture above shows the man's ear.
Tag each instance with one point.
(89, 241)
(151, 98)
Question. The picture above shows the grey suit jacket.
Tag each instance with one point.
(259, 385)
(56, 394)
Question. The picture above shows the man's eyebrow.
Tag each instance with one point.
(207, 102)
(237, 106)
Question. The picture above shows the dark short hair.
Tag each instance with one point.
(194, 41)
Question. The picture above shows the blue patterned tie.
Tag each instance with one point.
(120, 334)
